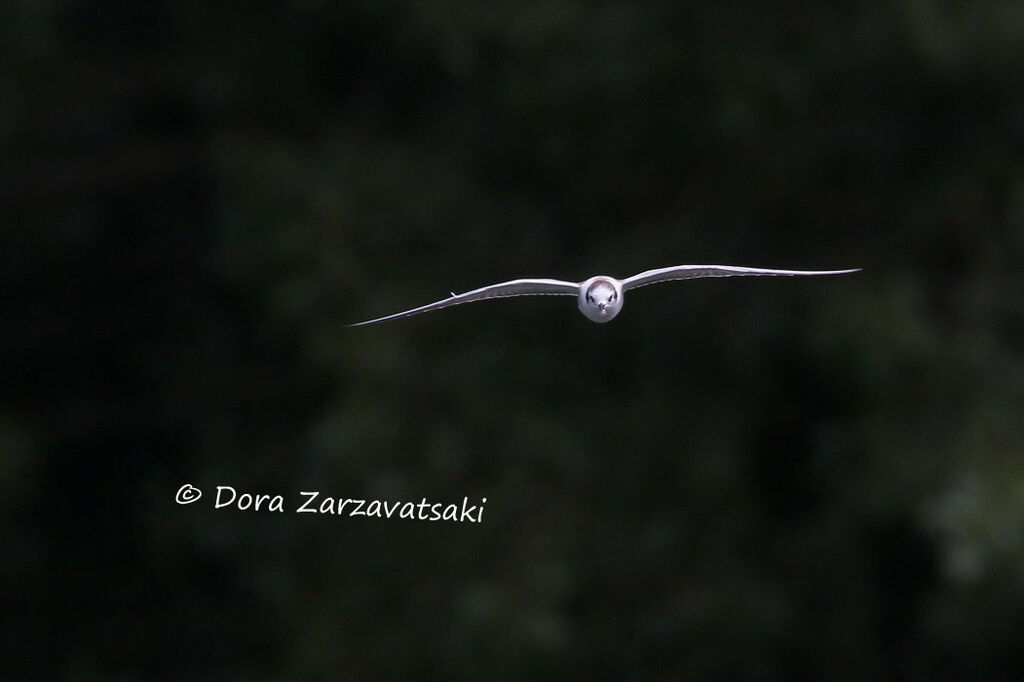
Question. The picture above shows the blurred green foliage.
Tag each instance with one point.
(735, 480)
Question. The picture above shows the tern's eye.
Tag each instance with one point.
(590, 299)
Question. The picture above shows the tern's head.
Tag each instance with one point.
(601, 298)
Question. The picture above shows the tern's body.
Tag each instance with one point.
(601, 297)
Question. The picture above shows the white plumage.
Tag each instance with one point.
(600, 297)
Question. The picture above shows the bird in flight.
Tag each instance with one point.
(601, 297)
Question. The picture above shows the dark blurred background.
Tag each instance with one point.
(751, 479)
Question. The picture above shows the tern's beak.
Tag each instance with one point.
(600, 309)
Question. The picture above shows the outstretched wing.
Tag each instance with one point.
(516, 287)
(696, 271)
